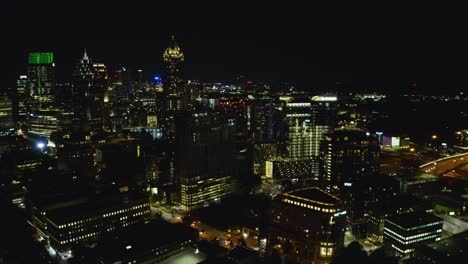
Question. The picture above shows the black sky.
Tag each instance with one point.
(379, 46)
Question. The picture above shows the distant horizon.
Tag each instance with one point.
(367, 47)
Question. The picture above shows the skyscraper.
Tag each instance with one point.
(89, 85)
(350, 156)
(173, 59)
(23, 99)
(298, 114)
(173, 97)
(205, 158)
(6, 115)
(323, 119)
(41, 75)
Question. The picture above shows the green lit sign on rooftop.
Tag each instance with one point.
(41, 58)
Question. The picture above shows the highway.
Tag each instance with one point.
(442, 166)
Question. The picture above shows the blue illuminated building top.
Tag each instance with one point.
(158, 79)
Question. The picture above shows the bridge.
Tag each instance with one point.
(444, 165)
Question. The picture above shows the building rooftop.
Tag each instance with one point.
(413, 219)
(138, 240)
(448, 249)
(314, 194)
(188, 256)
(65, 211)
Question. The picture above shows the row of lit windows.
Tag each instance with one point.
(326, 210)
(402, 251)
(326, 251)
(104, 215)
(424, 234)
(415, 227)
(423, 238)
(414, 236)
(411, 241)
(78, 238)
(430, 224)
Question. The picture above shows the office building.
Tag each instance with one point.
(7, 124)
(308, 225)
(323, 108)
(209, 159)
(67, 223)
(298, 114)
(89, 87)
(23, 99)
(452, 249)
(41, 77)
(173, 97)
(350, 157)
(75, 150)
(403, 232)
(149, 242)
(43, 122)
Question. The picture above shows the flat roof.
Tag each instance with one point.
(138, 239)
(413, 219)
(454, 246)
(314, 194)
(186, 257)
(90, 206)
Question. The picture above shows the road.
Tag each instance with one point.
(226, 239)
(441, 166)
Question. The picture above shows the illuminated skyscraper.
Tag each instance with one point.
(6, 115)
(89, 85)
(350, 158)
(173, 59)
(173, 97)
(208, 159)
(41, 75)
(323, 119)
(23, 99)
(300, 135)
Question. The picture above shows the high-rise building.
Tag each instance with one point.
(350, 156)
(89, 86)
(206, 159)
(308, 225)
(76, 151)
(173, 97)
(23, 99)
(41, 76)
(300, 133)
(6, 115)
(323, 119)
(403, 232)
(300, 155)
(173, 80)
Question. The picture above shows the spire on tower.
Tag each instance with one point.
(85, 56)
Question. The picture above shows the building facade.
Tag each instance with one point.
(403, 232)
(308, 226)
(83, 220)
(349, 158)
(41, 77)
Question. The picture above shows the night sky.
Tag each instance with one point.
(366, 46)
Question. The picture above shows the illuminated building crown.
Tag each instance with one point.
(173, 51)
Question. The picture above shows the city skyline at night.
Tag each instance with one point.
(253, 133)
(364, 47)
